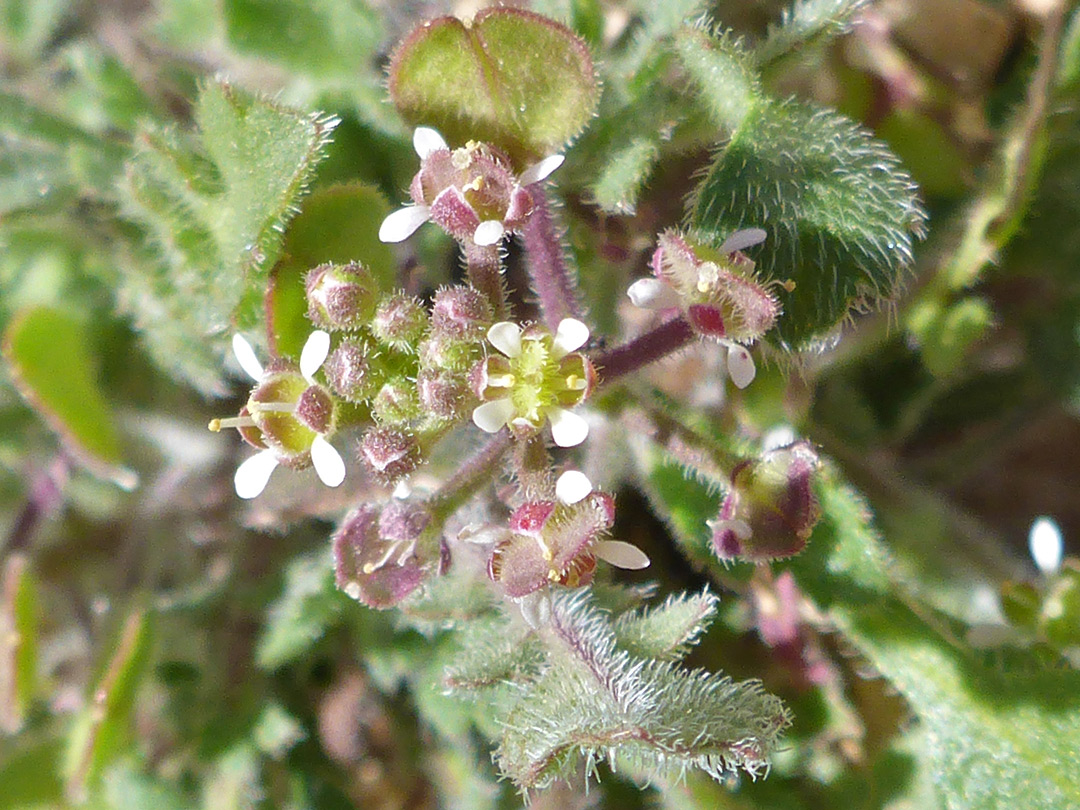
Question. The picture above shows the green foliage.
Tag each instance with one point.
(805, 22)
(100, 732)
(445, 73)
(598, 702)
(47, 352)
(20, 623)
(669, 631)
(307, 607)
(722, 73)
(1024, 718)
(215, 211)
(840, 213)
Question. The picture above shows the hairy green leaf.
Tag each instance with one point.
(511, 78)
(992, 735)
(722, 73)
(840, 213)
(804, 22)
(216, 209)
(308, 605)
(598, 702)
(49, 356)
(669, 631)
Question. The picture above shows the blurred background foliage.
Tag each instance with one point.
(166, 645)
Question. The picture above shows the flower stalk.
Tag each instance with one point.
(552, 279)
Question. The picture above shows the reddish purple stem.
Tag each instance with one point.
(552, 280)
(668, 337)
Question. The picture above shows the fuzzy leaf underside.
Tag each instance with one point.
(669, 631)
(215, 208)
(597, 702)
(805, 22)
(840, 213)
(511, 78)
(996, 738)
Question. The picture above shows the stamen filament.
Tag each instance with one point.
(274, 407)
(231, 422)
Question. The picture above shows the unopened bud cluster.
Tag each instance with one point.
(405, 365)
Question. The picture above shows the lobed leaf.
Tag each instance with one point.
(215, 208)
(805, 22)
(597, 702)
(840, 212)
(509, 77)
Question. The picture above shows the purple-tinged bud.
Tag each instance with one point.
(381, 558)
(315, 409)
(390, 452)
(551, 542)
(444, 394)
(461, 313)
(400, 321)
(350, 371)
(770, 509)
(340, 297)
(397, 402)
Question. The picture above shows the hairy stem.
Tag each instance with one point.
(552, 279)
(484, 267)
(473, 473)
(665, 339)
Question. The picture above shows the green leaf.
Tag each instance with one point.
(669, 631)
(511, 78)
(337, 224)
(722, 73)
(598, 702)
(276, 732)
(215, 209)
(100, 732)
(48, 354)
(307, 607)
(805, 22)
(19, 620)
(623, 177)
(840, 213)
(993, 734)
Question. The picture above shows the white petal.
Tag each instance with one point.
(740, 365)
(426, 140)
(492, 416)
(251, 476)
(570, 335)
(536, 608)
(245, 356)
(314, 352)
(740, 240)
(490, 232)
(402, 224)
(327, 461)
(572, 486)
(652, 293)
(1046, 545)
(506, 337)
(540, 171)
(621, 555)
(567, 428)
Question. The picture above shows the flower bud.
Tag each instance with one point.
(390, 452)
(351, 372)
(444, 394)
(397, 402)
(770, 509)
(461, 313)
(440, 351)
(340, 297)
(400, 322)
(382, 557)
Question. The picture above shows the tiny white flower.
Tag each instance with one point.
(1046, 545)
(254, 473)
(573, 486)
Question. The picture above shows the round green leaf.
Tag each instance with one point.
(511, 78)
